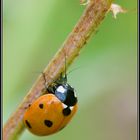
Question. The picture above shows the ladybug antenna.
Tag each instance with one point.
(44, 77)
(73, 70)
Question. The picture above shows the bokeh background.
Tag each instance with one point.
(106, 78)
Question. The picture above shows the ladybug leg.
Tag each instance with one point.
(44, 77)
(50, 89)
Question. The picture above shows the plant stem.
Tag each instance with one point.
(88, 23)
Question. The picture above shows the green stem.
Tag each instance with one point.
(88, 23)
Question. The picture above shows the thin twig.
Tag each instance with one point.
(88, 23)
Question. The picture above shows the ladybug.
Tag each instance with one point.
(52, 111)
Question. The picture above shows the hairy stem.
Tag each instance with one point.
(88, 23)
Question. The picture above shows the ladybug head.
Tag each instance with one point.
(66, 94)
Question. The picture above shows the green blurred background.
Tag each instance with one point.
(106, 80)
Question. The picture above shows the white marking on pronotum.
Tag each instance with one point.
(71, 108)
(65, 106)
(75, 94)
(61, 89)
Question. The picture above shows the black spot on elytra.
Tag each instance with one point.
(41, 106)
(28, 124)
(48, 123)
(66, 111)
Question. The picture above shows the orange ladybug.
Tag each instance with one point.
(53, 110)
